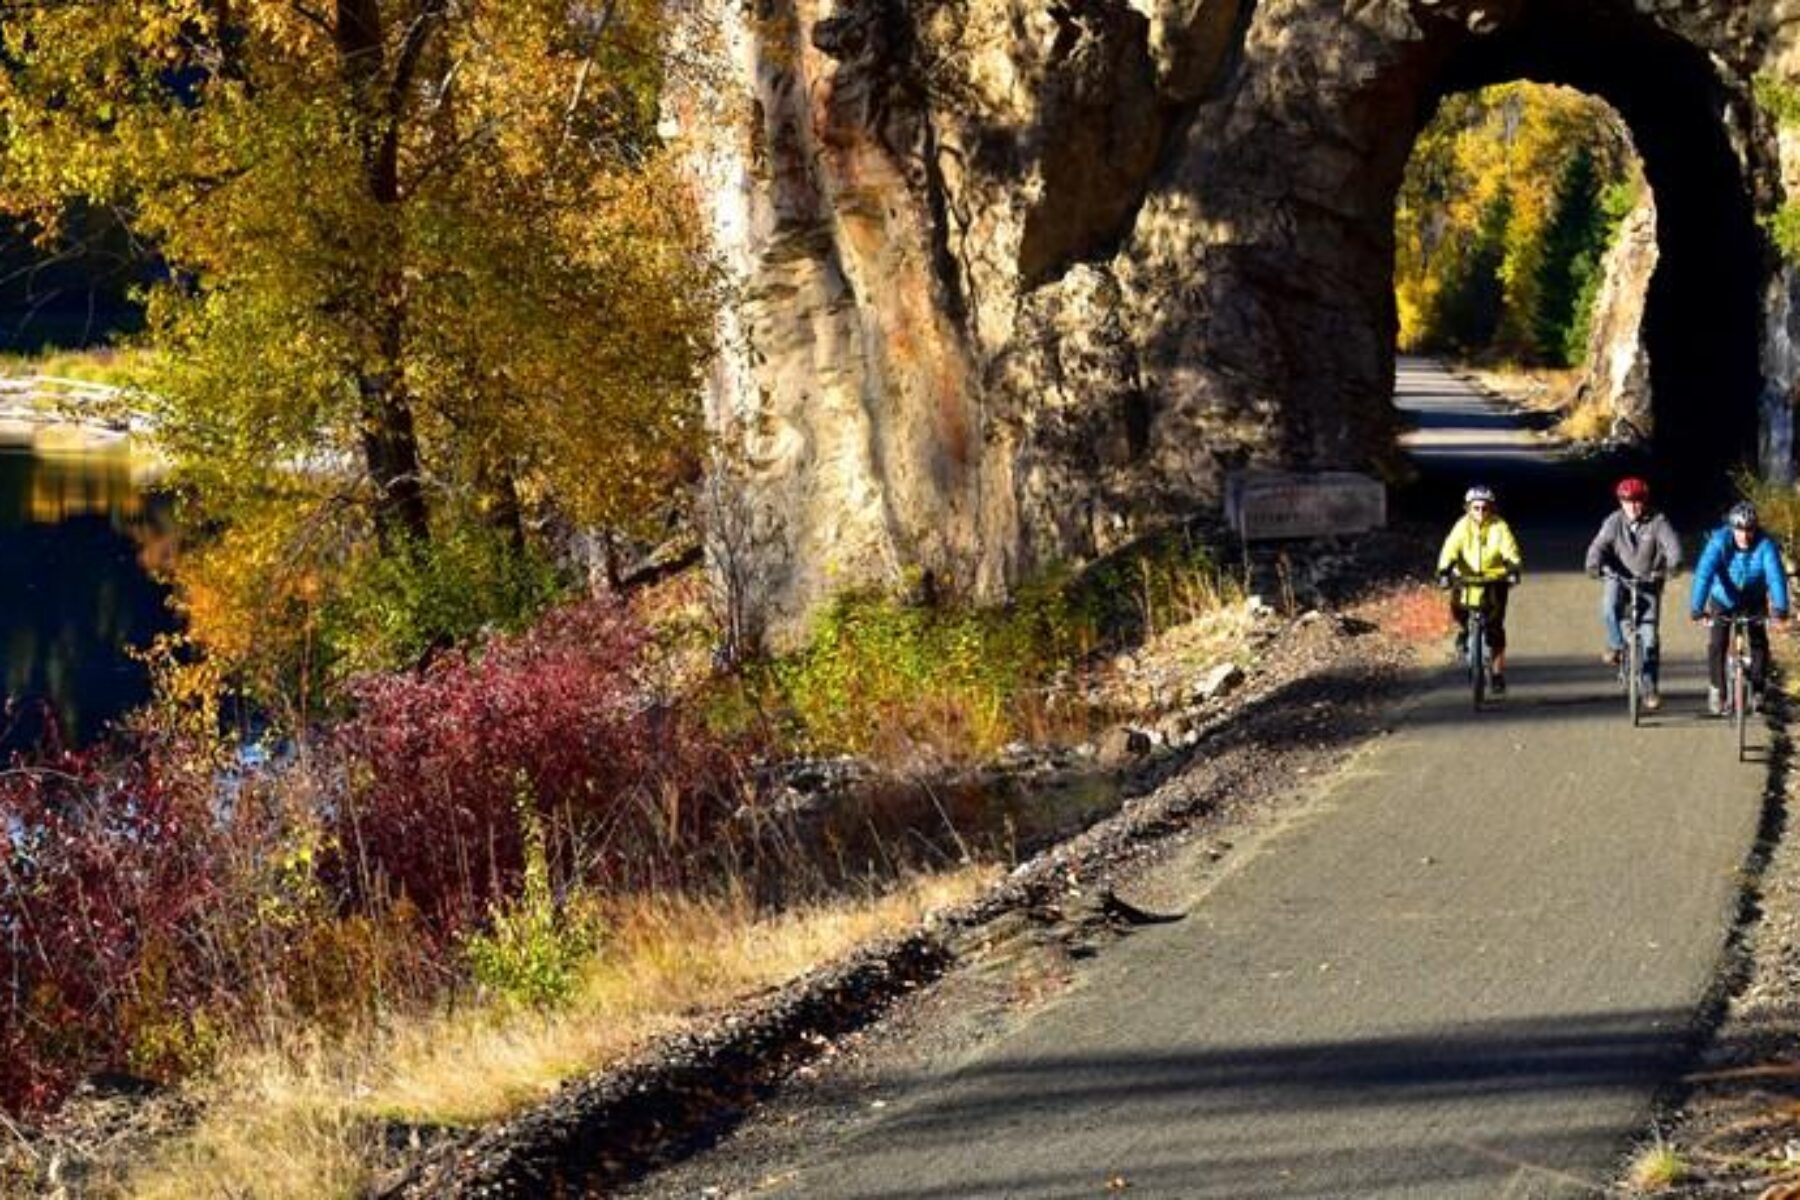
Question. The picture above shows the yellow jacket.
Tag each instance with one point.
(1486, 550)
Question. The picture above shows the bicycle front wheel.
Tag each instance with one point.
(1634, 678)
(1740, 700)
(1478, 659)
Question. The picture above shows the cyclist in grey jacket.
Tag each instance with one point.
(1640, 544)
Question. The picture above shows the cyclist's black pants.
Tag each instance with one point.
(1493, 604)
(1720, 639)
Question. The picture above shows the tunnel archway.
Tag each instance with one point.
(1703, 318)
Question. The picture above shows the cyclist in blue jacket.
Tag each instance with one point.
(1739, 572)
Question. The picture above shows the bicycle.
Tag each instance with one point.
(1737, 675)
(1478, 656)
(1631, 662)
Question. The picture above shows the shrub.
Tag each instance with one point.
(532, 950)
(884, 677)
(434, 760)
(158, 905)
(397, 608)
(107, 880)
(287, 592)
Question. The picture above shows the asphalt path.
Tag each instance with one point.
(1466, 970)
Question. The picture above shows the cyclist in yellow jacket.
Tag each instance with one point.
(1481, 547)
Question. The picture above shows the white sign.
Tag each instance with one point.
(1273, 505)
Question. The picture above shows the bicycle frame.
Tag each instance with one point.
(1631, 664)
(1737, 674)
(1477, 655)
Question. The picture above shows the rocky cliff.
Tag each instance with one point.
(1020, 279)
(1616, 376)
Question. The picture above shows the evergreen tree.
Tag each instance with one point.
(1470, 305)
(1574, 244)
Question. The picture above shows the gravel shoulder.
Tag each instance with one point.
(1734, 1123)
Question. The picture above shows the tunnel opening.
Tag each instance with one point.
(1517, 202)
(1702, 316)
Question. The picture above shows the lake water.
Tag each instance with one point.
(74, 593)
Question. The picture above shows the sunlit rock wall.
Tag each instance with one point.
(1616, 376)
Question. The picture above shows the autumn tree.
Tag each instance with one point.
(1508, 202)
(425, 259)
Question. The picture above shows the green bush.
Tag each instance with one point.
(533, 950)
(881, 675)
(393, 609)
(1781, 101)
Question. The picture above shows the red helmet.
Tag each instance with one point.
(1632, 488)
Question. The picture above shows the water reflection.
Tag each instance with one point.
(73, 594)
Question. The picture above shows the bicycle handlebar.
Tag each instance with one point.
(1640, 580)
(1458, 579)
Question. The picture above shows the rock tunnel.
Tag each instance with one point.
(1703, 319)
(1022, 281)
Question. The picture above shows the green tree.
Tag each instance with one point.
(1574, 242)
(1472, 299)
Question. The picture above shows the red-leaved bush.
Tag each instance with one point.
(437, 765)
(156, 899)
(106, 877)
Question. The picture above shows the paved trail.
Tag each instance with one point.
(1463, 972)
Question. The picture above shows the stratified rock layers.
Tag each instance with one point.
(1022, 279)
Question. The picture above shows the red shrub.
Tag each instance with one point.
(105, 879)
(148, 905)
(436, 763)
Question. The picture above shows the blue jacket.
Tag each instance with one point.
(1736, 579)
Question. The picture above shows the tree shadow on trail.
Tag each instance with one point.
(1302, 1118)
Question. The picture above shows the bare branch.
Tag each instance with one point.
(309, 13)
(412, 49)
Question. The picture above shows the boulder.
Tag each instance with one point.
(1217, 682)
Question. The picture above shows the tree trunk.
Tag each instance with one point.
(391, 448)
(505, 511)
(389, 436)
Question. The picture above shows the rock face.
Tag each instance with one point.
(1022, 279)
(1617, 376)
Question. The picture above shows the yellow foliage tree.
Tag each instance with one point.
(1479, 196)
(421, 258)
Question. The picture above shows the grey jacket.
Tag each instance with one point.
(1642, 548)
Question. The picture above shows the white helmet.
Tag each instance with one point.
(1479, 492)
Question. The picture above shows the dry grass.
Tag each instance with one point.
(1534, 387)
(113, 366)
(1657, 1168)
(301, 1121)
(1172, 654)
(1217, 631)
(1590, 423)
